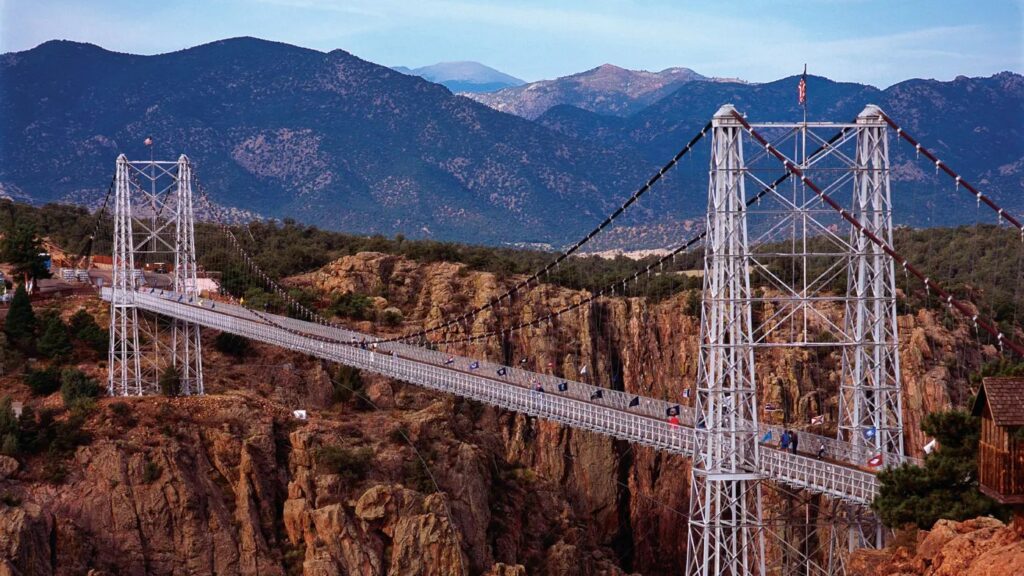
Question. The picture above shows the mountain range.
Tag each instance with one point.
(333, 140)
(607, 89)
(468, 77)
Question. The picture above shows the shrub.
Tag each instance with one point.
(170, 381)
(398, 434)
(946, 486)
(121, 414)
(392, 316)
(231, 344)
(352, 305)
(417, 476)
(20, 325)
(84, 327)
(43, 382)
(347, 383)
(76, 385)
(151, 472)
(350, 463)
(54, 343)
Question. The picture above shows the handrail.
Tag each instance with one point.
(644, 424)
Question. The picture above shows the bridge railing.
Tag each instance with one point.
(517, 395)
(835, 449)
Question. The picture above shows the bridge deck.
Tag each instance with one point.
(840, 476)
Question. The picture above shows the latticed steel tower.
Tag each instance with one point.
(780, 268)
(870, 406)
(725, 535)
(154, 224)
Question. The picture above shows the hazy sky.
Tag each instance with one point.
(873, 41)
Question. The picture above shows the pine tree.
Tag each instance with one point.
(170, 381)
(946, 486)
(20, 325)
(21, 248)
(54, 343)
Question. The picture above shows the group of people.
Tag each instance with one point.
(791, 441)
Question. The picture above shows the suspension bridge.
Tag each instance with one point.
(793, 235)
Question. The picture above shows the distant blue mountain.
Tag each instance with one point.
(325, 138)
(332, 140)
(975, 125)
(464, 76)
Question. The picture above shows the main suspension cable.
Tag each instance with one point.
(928, 282)
(956, 177)
(568, 252)
(647, 270)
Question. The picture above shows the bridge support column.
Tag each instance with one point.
(124, 362)
(726, 533)
(164, 232)
(186, 346)
(871, 410)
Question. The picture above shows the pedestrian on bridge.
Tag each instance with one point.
(821, 451)
(673, 421)
(793, 440)
(784, 441)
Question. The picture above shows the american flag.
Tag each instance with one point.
(802, 88)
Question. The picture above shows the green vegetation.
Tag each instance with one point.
(54, 342)
(42, 433)
(352, 464)
(946, 486)
(43, 382)
(170, 381)
(232, 344)
(20, 325)
(85, 329)
(76, 387)
(21, 247)
(981, 262)
(151, 472)
(347, 384)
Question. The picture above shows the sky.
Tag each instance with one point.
(878, 42)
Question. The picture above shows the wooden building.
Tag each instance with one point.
(1000, 404)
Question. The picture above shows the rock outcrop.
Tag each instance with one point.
(979, 547)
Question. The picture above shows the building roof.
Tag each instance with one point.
(1005, 399)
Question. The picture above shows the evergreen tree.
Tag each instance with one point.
(21, 248)
(20, 325)
(54, 343)
(77, 385)
(946, 486)
(170, 381)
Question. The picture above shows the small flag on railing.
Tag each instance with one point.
(502, 371)
(450, 360)
(767, 437)
(870, 433)
(634, 402)
(597, 394)
(524, 361)
(148, 141)
(686, 393)
(672, 411)
(930, 447)
(474, 365)
(820, 419)
(875, 461)
(583, 371)
(563, 386)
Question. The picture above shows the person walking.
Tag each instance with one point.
(784, 441)
(821, 451)
(793, 439)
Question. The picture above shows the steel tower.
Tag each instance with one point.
(726, 535)
(161, 193)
